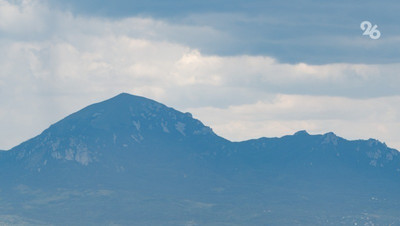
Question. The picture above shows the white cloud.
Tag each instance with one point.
(25, 17)
(286, 114)
(69, 62)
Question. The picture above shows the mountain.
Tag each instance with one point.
(131, 160)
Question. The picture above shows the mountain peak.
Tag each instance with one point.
(301, 133)
(330, 138)
(125, 98)
(129, 96)
(136, 115)
(124, 94)
(330, 134)
(124, 122)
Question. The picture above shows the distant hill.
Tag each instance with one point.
(131, 160)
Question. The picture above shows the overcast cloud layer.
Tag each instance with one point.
(310, 31)
(55, 62)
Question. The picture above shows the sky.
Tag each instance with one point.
(248, 69)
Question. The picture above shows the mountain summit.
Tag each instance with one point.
(159, 166)
(122, 123)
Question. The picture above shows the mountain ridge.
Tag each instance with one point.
(160, 166)
(128, 122)
(129, 97)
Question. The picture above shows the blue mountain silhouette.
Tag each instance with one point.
(133, 161)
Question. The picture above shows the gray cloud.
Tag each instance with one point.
(309, 31)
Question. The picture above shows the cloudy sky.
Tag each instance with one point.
(248, 69)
